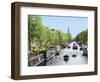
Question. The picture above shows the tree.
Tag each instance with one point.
(69, 37)
(48, 36)
(41, 35)
(82, 36)
(34, 29)
(59, 37)
(64, 36)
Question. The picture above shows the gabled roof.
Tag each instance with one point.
(73, 41)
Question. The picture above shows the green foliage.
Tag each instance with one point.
(41, 35)
(82, 36)
(60, 36)
(35, 30)
(48, 36)
(69, 37)
(34, 25)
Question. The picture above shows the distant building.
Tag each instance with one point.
(74, 42)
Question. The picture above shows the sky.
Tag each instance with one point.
(75, 24)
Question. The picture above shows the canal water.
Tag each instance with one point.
(78, 59)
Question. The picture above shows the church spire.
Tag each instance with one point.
(68, 30)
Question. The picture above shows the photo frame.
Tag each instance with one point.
(47, 18)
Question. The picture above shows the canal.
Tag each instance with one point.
(77, 59)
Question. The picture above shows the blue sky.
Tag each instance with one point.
(75, 24)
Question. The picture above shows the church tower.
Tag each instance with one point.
(68, 30)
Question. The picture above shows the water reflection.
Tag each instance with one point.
(59, 60)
